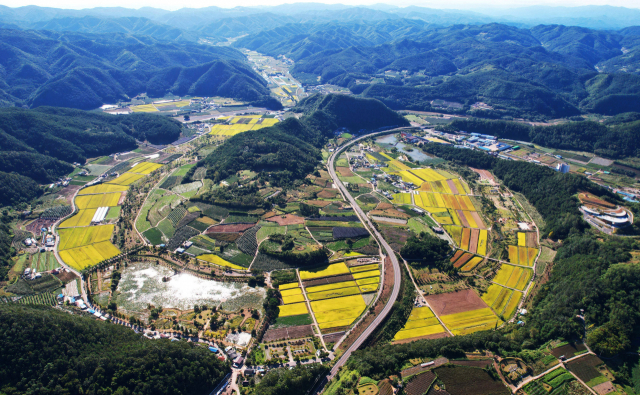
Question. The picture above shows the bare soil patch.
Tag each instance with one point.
(288, 219)
(455, 302)
(345, 171)
(318, 203)
(568, 350)
(293, 332)
(327, 193)
(328, 280)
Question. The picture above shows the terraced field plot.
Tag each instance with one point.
(89, 255)
(81, 218)
(524, 256)
(513, 276)
(471, 321)
(95, 201)
(338, 312)
(293, 309)
(144, 168)
(241, 124)
(126, 179)
(102, 188)
(503, 301)
(324, 271)
(422, 322)
(77, 237)
(216, 260)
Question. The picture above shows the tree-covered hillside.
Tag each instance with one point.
(84, 71)
(619, 140)
(549, 71)
(48, 351)
(38, 146)
(290, 150)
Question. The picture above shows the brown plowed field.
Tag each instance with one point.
(333, 338)
(328, 280)
(478, 220)
(463, 259)
(294, 332)
(288, 219)
(123, 196)
(473, 242)
(455, 302)
(453, 188)
(456, 256)
(484, 174)
(230, 228)
(463, 219)
(420, 383)
(478, 363)
(327, 193)
(532, 239)
(345, 171)
(319, 203)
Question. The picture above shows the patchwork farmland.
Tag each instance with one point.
(82, 245)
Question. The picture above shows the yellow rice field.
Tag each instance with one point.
(513, 254)
(102, 188)
(291, 291)
(503, 275)
(216, 260)
(470, 219)
(144, 108)
(345, 309)
(291, 299)
(522, 239)
(327, 287)
(473, 262)
(324, 271)
(288, 286)
(513, 276)
(95, 201)
(89, 255)
(422, 322)
(77, 237)
(363, 268)
(370, 280)
(333, 293)
(428, 174)
(293, 309)
(372, 273)
(369, 288)
(402, 198)
(126, 179)
(471, 321)
(482, 242)
(82, 218)
(144, 168)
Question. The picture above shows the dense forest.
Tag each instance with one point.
(532, 72)
(619, 140)
(79, 70)
(427, 250)
(38, 146)
(587, 274)
(45, 350)
(290, 150)
(6, 251)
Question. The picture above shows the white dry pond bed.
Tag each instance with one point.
(141, 285)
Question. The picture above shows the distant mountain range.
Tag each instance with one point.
(84, 71)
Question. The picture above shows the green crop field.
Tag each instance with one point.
(154, 236)
(114, 212)
(166, 227)
(182, 171)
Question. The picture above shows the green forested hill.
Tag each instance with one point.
(49, 351)
(290, 150)
(80, 70)
(618, 140)
(38, 146)
(551, 71)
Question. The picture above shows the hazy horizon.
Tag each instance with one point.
(466, 5)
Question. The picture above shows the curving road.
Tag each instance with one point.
(387, 249)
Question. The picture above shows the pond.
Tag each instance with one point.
(141, 284)
(390, 140)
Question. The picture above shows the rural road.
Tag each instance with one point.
(394, 260)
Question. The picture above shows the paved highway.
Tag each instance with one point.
(387, 249)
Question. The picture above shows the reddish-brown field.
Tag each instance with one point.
(463, 219)
(484, 174)
(592, 200)
(319, 203)
(455, 302)
(473, 241)
(463, 259)
(327, 193)
(288, 219)
(453, 188)
(478, 220)
(456, 256)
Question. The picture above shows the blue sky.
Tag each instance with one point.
(476, 5)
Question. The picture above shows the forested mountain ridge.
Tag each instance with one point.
(547, 70)
(38, 146)
(87, 70)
